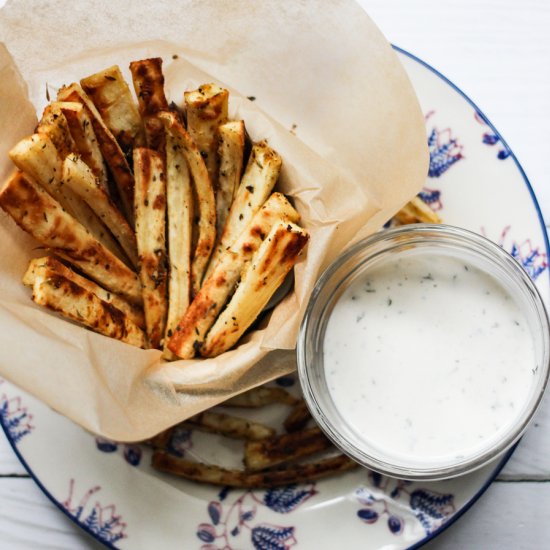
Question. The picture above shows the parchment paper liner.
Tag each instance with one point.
(360, 153)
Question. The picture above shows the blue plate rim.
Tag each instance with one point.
(500, 465)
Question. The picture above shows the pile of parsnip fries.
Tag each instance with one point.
(162, 224)
(270, 459)
(164, 231)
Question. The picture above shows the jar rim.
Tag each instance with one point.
(423, 235)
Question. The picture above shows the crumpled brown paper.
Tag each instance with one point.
(322, 70)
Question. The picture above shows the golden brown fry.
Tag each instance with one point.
(260, 397)
(416, 211)
(48, 266)
(65, 296)
(111, 95)
(260, 176)
(82, 132)
(212, 297)
(81, 180)
(37, 156)
(37, 213)
(230, 152)
(186, 340)
(110, 149)
(263, 275)
(230, 426)
(149, 86)
(206, 109)
(237, 478)
(54, 125)
(298, 418)
(280, 449)
(179, 197)
(150, 208)
(204, 194)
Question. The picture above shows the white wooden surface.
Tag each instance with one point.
(498, 52)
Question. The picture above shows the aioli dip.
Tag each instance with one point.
(428, 358)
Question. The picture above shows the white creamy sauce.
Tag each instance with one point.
(428, 358)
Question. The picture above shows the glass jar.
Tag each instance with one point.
(339, 385)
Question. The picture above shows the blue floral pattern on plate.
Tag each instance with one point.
(101, 521)
(381, 500)
(235, 519)
(14, 417)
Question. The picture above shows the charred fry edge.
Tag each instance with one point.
(179, 197)
(298, 418)
(54, 125)
(110, 149)
(54, 266)
(80, 179)
(149, 86)
(37, 213)
(260, 176)
(150, 214)
(231, 153)
(205, 197)
(237, 478)
(206, 109)
(269, 266)
(259, 397)
(82, 132)
(191, 330)
(111, 95)
(280, 449)
(37, 156)
(229, 426)
(66, 297)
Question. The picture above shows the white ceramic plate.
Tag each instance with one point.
(110, 490)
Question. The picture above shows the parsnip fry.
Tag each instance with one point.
(204, 193)
(417, 211)
(65, 296)
(48, 265)
(149, 86)
(179, 198)
(260, 397)
(203, 473)
(231, 152)
(260, 176)
(150, 208)
(213, 295)
(54, 125)
(37, 213)
(206, 109)
(230, 426)
(82, 132)
(110, 149)
(190, 331)
(37, 156)
(111, 95)
(80, 179)
(280, 449)
(267, 270)
(298, 418)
